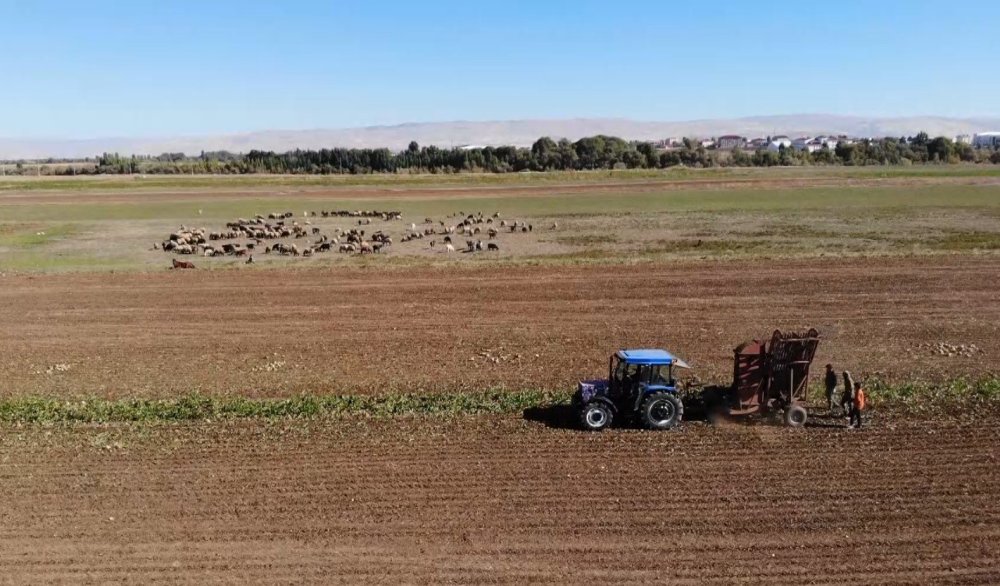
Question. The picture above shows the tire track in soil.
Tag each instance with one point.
(500, 500)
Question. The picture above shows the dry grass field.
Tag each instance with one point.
(53, 225)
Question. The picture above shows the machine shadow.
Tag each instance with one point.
(563, 416)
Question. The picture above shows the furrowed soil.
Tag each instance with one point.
(280, 332)
(500, 500)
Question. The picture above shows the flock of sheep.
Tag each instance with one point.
(244, 237)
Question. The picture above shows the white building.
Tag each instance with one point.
(963, 139)
(986, 140)
(812, 145)
(669, 143)
(777, 142)
(801, 142)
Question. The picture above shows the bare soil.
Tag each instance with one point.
(279, 332)
(500, 500)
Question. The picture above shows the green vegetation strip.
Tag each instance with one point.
(928, 398)
(911, 397)
(198, 406)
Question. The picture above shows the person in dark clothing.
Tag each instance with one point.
(848, 397)
(831, 386)
(857, 406)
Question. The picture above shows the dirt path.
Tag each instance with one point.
(279, 332)
(500, 500)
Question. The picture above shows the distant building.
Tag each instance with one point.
(757, 144)
(777, 142)
(669, 143)
(812, 145)
(800, 143)
(730, 142)
(707, 143)
(989, 140)
(963, 139)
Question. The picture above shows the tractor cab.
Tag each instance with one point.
(640, 383)
(633, 372)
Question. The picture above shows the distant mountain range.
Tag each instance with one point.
(511, 132)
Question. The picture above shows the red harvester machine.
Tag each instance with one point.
(769, 377)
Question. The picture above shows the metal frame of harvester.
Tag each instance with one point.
(769, 377)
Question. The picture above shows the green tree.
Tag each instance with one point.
(941, 149)
(544, 153)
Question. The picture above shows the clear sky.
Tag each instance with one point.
(168, 67)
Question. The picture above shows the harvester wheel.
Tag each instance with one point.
(795, 416)
(662, 411)
(595, 416)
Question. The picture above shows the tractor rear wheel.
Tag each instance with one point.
(595, 416)
(662, 411)
(796, 416)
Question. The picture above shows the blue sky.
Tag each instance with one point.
(169, 67)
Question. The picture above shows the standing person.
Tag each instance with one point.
(831, 386)
(857, 406)
(847, 399)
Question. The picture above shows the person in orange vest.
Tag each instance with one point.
(857, 406)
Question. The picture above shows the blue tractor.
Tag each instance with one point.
(640, 388)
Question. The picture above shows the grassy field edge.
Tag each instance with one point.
(483, 179)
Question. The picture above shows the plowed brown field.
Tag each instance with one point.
(500, 500)
(280, 332)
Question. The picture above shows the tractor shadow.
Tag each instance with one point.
(563, 416)
(554, 415)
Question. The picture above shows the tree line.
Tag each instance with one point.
(546, 154)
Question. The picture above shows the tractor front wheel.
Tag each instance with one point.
(662, 411)
(595, 416)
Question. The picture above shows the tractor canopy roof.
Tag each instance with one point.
(652, 357)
